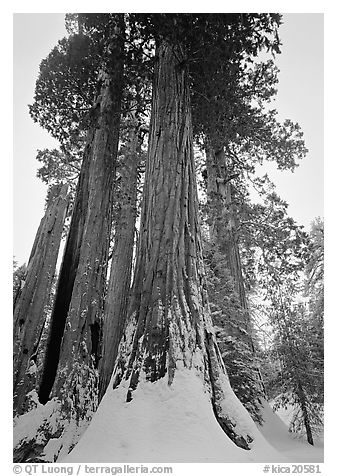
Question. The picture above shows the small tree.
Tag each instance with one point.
(299, 375)
(297, 345)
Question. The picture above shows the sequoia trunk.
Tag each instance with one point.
(121, 266)
(223, 231)
(29, 315)
(80, 290)
(223, 227)
(169, 323)
(70, 377)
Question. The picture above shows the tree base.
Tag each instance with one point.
(162, 423)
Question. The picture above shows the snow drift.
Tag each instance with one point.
(164, 423)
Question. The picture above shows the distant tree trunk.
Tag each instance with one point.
(224, 232)
(117, 300)
(223, 228)
(29, 310)
(305, 414)
(169, 324)
(73, 349)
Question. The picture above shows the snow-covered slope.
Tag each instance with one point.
(169, 423)
(163, 423)
(276, 433)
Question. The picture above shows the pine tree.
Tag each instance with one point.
(298, 374)
(234, 341)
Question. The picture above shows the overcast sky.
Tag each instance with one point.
(300, 98)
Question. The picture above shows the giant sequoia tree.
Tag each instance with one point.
(72, 354)
(237, 132)
(30, 303)
(169, 325)
(72, 357)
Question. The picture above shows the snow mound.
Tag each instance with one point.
(163, 423)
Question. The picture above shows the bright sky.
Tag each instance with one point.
(300, 98)
(34, 37)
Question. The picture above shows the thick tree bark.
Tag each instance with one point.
(29, 315)
(19, 286)
(76, 318)
(169, 324)
(117, 300)
(70, 372)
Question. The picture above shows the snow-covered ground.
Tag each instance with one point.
(176, 423)
(275, 430)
